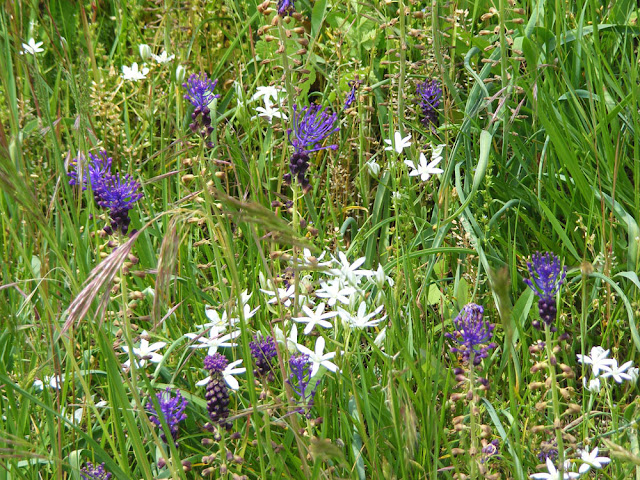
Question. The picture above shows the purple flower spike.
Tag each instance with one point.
(472, 333)
(200, 90)
(286, 8)
(429, 95)
(115, 193)
(217, 392)
(311, 125)
(171, 410)
(94, 472)
(299, 379)
(263, 350)
(200, 94)
(546, 278)
(118, 194)
(546, 274)
(98, 166)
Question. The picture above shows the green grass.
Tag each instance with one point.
(539, 118)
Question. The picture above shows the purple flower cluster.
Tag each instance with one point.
(299, 379)
(311, 125)
(472, 333)
(200, 94)
(546, 278)
(286, 7)
(115, 193)
(263, 350)
(429, 95)
(217, 392)
(94, 472)
(171, 411)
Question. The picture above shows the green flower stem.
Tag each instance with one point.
(554, 396)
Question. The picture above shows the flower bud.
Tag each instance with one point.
(145, 51)
(180, 73)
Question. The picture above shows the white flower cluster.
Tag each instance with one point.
(603, 367)
(270, 95)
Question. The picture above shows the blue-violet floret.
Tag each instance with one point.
(473, 334)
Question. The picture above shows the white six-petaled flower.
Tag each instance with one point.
(350, 272)
(398, 143)
(362, 319)
(163, 57)
(313, 318)
(591, 459)
(134, 73)
(335, 291)
(32, 47)
(598, 360)
(228, 375)
(214, 340)
(618, 373)
(268, 94)
(318, 358)
(424, 169)
(145, 352)
(554, 474)
(269, 112)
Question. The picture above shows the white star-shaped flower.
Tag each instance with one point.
(424, 169)
(32, 47)
(318, 358)
(282, 295)
(134, 73)
(350, 271)
(619, 373)
(313, 318)
(309, 260)
(163, 57)
(214, 340)
(269, 112)
(335, 291)
(554, 474)
(361, 319)
(268, 93)
(218, 322)
(398, 143)
(598, 360)
(145, 352)
(228, 375)
(591, 459)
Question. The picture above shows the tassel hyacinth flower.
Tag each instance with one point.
(263, 350)
(473, 334)
(311, 126)
(286, 8)
(116, 193)
(200, 94)
(94, 472)
(299, 379)
(546, 278)
(429, 95)
(171, 410)
(217, 392)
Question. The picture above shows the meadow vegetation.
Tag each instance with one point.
(319, 239)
